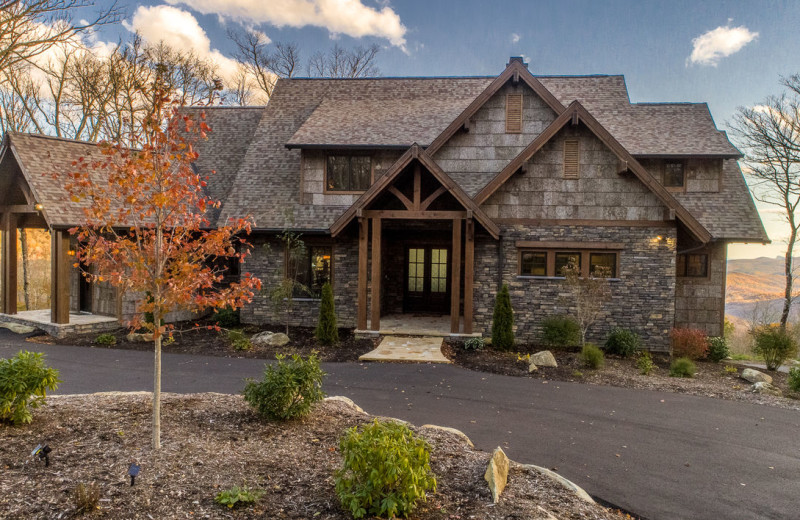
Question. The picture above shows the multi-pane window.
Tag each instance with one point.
(438, 270)
(313, 269)
(416, 270)
(674, 176)
(348, 173)
(693, 266)
(563, 259)
(533, 263)
(603, 262)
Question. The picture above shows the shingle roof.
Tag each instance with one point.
(40, 157)
(730, 213)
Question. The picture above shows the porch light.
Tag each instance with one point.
(38, 206)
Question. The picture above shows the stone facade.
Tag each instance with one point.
(700, 302)
(642, 296)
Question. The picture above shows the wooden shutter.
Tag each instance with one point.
(572, 160)
(514, 113)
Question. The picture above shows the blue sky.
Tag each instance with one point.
(649, 42)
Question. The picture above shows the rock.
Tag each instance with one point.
(135, 337)
(567, 484)
(754, 376)
(458, 433)
(532, 367)
(764, 388)
(497, 473)
(269, 339)
(346, 400)
(17, 328)
(544, 358)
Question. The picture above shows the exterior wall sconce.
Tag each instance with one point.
(38, 206)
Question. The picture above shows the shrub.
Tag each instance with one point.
(238, 340)
(561, 331)
(24, 382)
(106, 339)
(730, 369)
(718, 349)
(682, 367)
(623, 342)
(689, 343)
(592, 356)
(327, 333)
(289, 388)
(86, 497)
(644, 362)
(225, 318)
(238, 496)
(385, 471)
(774, 344)
(794, 379)
(475, 344)
(503, 321)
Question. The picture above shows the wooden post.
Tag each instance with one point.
(9, 263)
(375, 301)
(59, 277)
(363, 236)
(455, 287)
(469, 275)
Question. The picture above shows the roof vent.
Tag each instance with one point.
(520, 59)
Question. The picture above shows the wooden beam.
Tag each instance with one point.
(363, 235)
(375, 301)
(555, 244)
(417, 187)
(455, 278)
(422, 215)
(9, 263)
(19, 208)
(397, 193)
(469, 275)
(59, 277)
(430, 198)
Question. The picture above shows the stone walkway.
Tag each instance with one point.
(404, 348)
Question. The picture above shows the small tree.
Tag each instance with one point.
(327, 332)
(587, 294)
(288, 287)
(503, 321)
(145, 228)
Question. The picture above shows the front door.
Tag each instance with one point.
(427, 279)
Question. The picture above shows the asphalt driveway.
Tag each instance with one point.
(661, 455)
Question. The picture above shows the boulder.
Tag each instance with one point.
(764, 388)
(269, 339)
(754, 376)
(544, 358)
(455, 432)
(497, 473)
(136, 337)
(17, 328)
(532, 367)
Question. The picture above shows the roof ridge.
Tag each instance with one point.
(51, 137)
(668, 103)
(215, 107)
(303, 78)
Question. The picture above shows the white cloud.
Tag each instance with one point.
(514, 37)
(350, 17)
(181, 31)
(712, 46)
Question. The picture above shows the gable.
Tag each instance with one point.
(598, 193)
(473, 157)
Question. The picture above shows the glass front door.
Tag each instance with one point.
(427, 280)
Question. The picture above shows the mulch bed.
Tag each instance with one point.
(199, 340)
(212, 442)
(710, 380)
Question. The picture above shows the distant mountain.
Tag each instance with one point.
(755, 285)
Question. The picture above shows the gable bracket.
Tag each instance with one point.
(397, 193)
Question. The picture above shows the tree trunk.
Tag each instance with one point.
(787, 294)
(157, 380)
(26, 292)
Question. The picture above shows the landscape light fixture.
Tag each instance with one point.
(43, 452)
(133, 470)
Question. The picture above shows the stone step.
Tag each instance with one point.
(420, 349)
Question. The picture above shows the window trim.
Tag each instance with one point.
(308, 246)
(684, 165)
(551, 258)
(684, 274)
(347, 153)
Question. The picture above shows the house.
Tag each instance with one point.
(422, 196)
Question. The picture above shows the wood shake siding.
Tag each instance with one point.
(700, 302)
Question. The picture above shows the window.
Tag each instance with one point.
(673, 174)
(693, 266)
(563, 259)
(348, 173)
(313, 270)
(416, 270)
(572, 161)
(513, 113)
(603, 261)
(533, 263)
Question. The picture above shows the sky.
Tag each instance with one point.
(726, 53)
